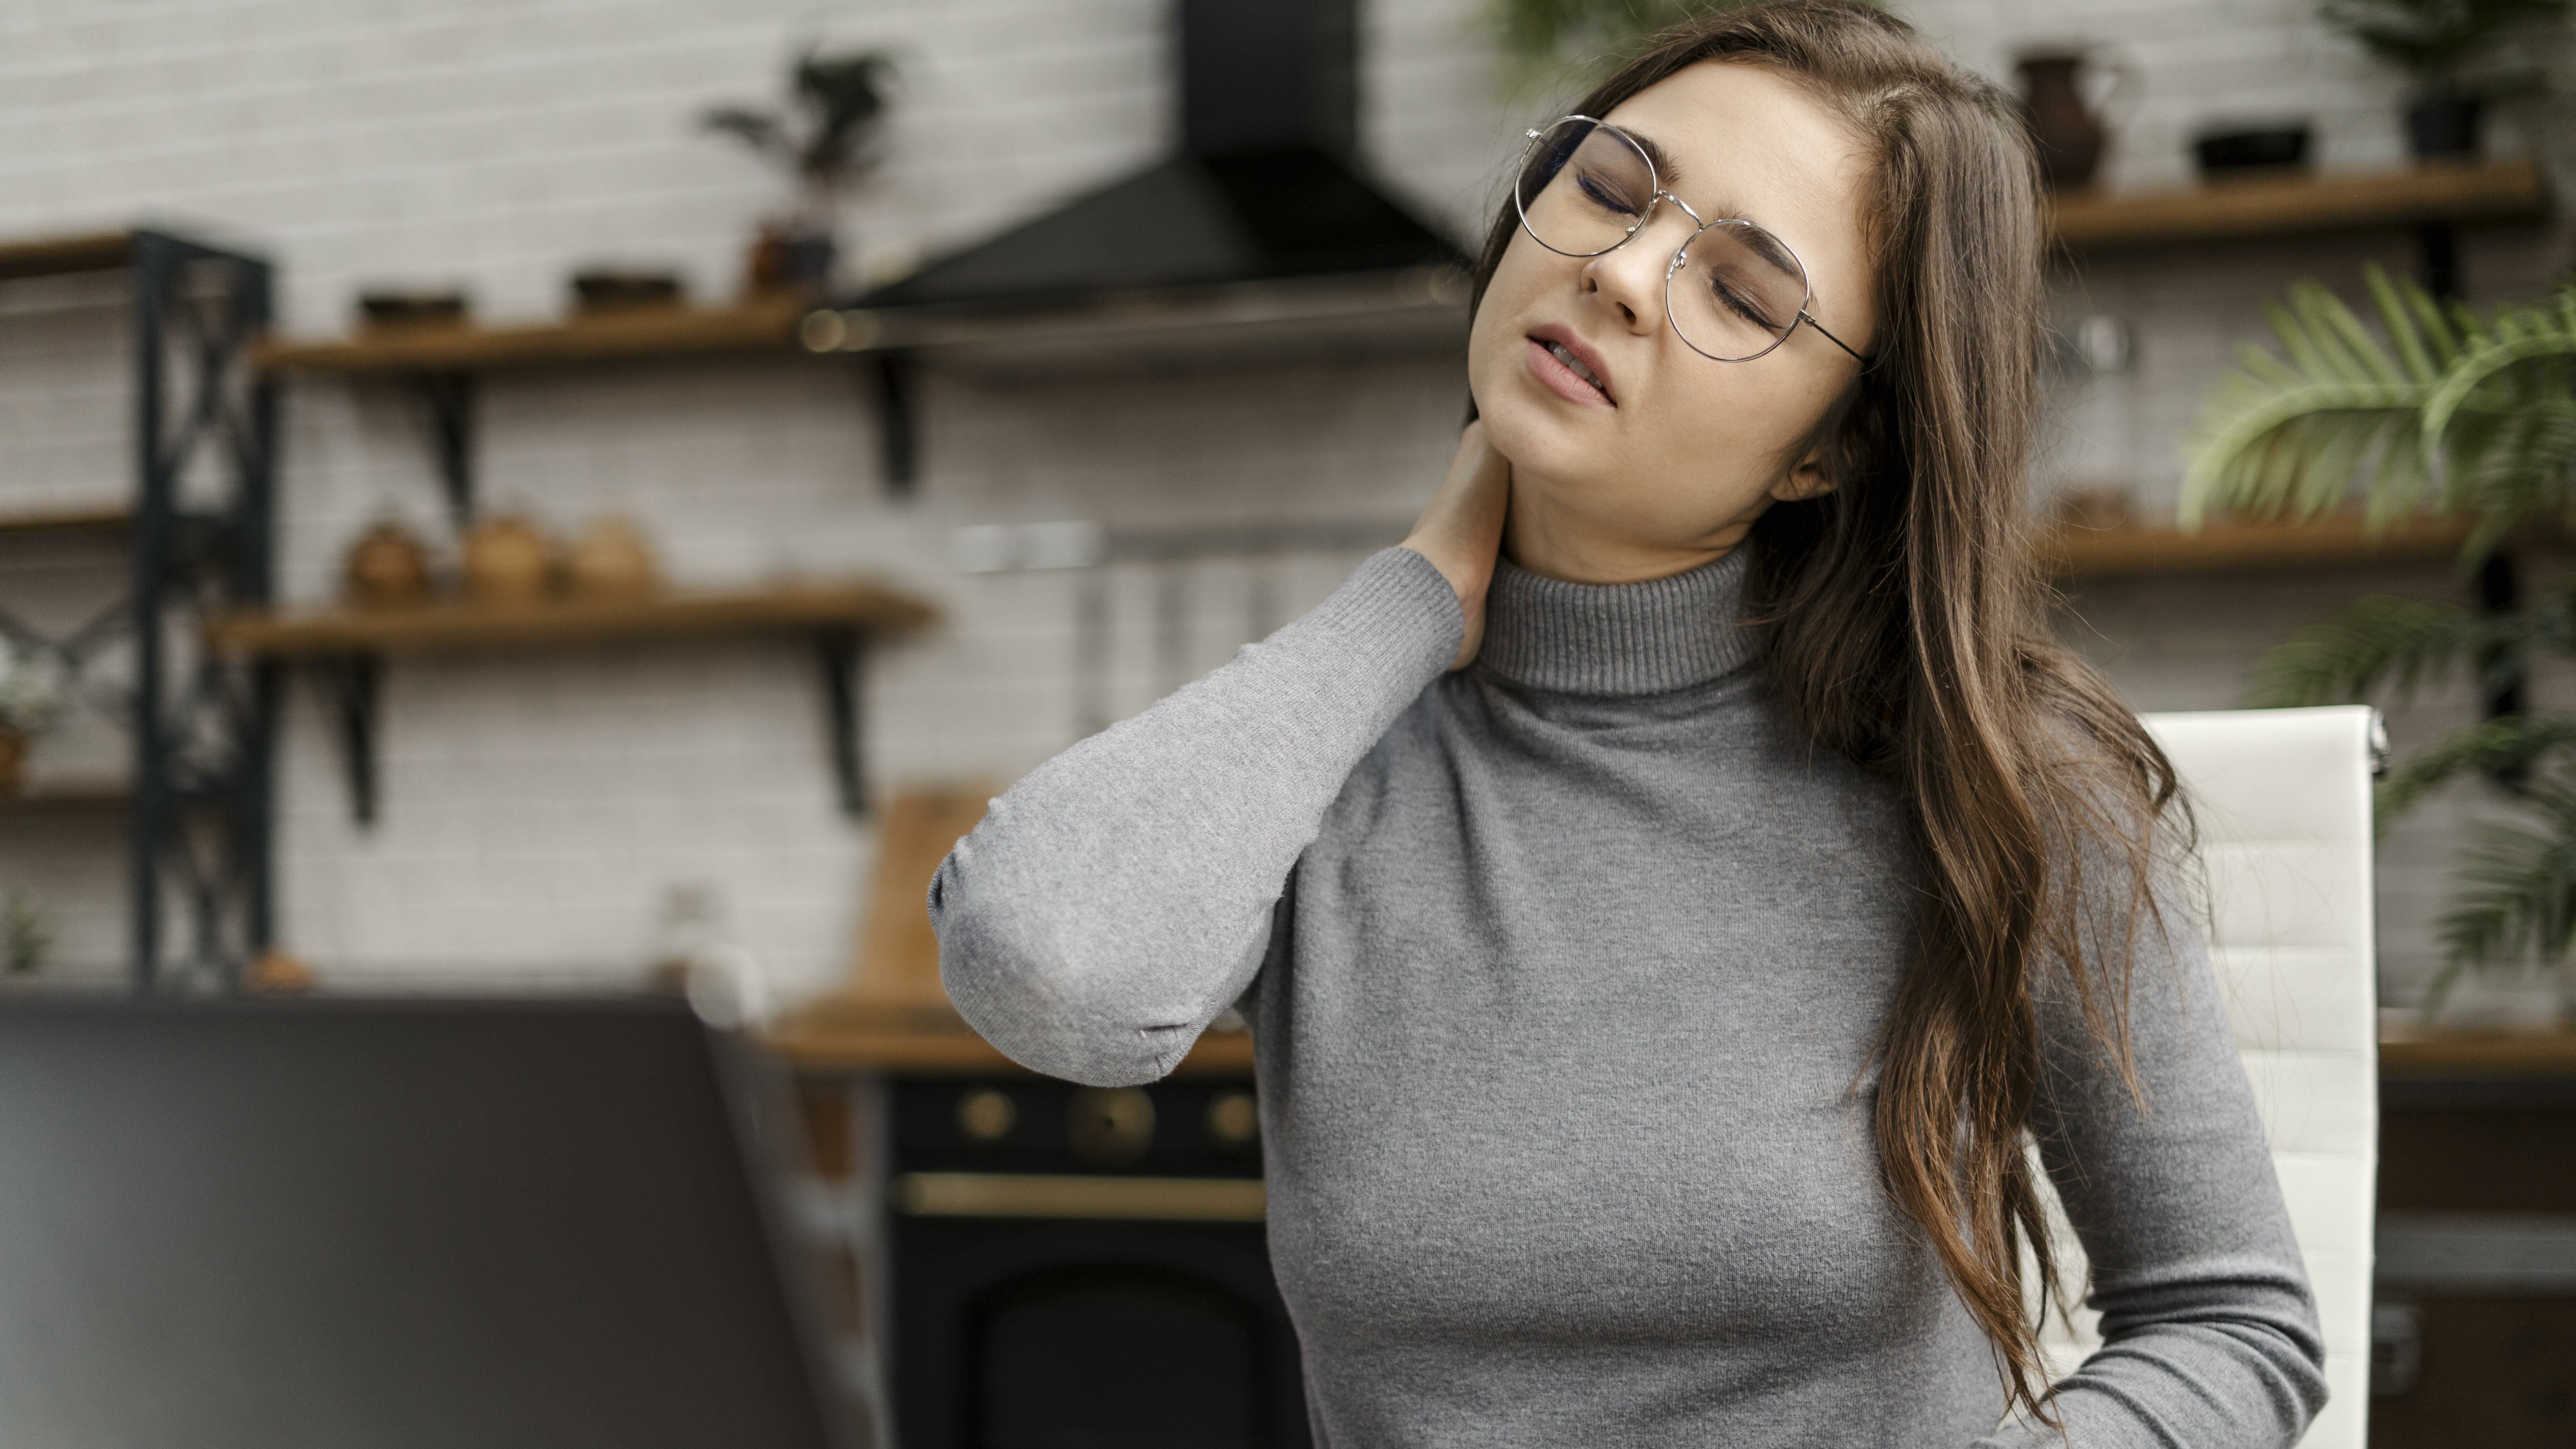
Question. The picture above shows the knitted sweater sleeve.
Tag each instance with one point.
(2210, 1335)
(1120, 896)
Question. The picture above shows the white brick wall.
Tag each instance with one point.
(535, 807)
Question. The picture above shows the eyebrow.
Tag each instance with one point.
(1771, 249)
(1667, 172)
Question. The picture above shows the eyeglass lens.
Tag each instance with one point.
(1585, 188)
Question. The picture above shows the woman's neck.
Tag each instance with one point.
(1554, 542)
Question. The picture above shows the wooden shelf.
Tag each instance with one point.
(351, 644)
(53, 256)
(459, 627)
(66, 520)
(1402, 311)
(2337, 538)
(640, 333)
(47, 796)
(2489, 192)
(2464, 1054)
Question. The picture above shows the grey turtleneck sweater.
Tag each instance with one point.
(1563, 972)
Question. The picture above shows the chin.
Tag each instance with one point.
(1528, 432)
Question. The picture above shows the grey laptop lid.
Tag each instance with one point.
(352, 1223)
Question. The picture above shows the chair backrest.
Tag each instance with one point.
(2283, 800)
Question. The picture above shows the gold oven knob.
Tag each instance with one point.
(986, 1116)
(1234, 1119)
(1110, 1126)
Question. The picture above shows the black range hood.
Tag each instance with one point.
(1264, 186)
(1258, 241)
(1188, 222)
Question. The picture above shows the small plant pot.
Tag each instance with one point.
(397, 311)
(604, 289)
(2252, 150)
(2445, 126)
(13, 761)
(787, 260)
(808, 262)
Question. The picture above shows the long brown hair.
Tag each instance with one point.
(1904, 627)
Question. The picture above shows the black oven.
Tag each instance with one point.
(1079, 1268)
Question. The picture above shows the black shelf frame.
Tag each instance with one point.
(205, 727)
(201, 530)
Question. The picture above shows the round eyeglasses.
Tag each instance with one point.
(1733, 291)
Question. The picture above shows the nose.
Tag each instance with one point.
(1630, 277)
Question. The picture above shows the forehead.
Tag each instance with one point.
(1748, 142)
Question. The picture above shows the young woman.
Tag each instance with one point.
(1672, 891)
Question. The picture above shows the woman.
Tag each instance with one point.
(1662, 940)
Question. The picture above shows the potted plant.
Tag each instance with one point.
(2449, 47)
(821, 138)
(1552, 46)
(30, 699)
(2456, 413)
(26, 935)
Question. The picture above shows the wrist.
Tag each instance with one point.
(1465, 576)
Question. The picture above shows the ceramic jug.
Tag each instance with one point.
(2068, 134)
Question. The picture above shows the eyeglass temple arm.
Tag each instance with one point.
(1809, 318)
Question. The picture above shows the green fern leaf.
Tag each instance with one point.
(2476, 366)
(2515, 901)
(2399, 318)
(2378, 643)
(2296, 429)
(2514, 742)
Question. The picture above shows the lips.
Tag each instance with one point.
(1568, 368)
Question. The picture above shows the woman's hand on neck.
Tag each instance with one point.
(1555, 542)
(1486, 509)
(1461, 531)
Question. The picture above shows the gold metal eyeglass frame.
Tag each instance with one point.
(1681, 254)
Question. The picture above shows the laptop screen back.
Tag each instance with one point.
(384, 1223)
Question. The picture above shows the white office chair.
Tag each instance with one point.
(2283, 797)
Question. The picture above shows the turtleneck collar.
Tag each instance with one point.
(1664, 634)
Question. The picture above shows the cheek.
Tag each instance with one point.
(1493, 341)
(1710, 417)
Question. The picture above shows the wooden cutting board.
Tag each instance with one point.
(898, 959)
(893, 1016)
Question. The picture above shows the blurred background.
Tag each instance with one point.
(513, 493)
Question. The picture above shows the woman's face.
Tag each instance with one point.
(1676, 454)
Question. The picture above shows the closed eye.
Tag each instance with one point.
(1602, 194)
(1736, 303)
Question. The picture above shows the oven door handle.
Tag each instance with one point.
(1042, 1195)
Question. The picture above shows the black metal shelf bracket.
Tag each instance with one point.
(356, 683)
(842, 656)
(357, 690)
(2437, 253)
(891, 378)
(2498, 583)
(355, 686)
(449, 398)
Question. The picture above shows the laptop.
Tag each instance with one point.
(394, 1224)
